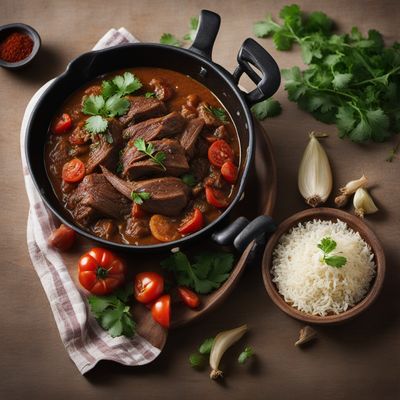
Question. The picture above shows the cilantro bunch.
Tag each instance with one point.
(110, 103)
(206, 274)
(351, 80)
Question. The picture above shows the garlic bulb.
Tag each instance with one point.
(222, 342)
(363, 203)
(315, 175)
(352, 186)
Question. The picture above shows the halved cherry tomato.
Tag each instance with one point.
(190, 298)
(137, 211)
(101, 271)
(220, 152)
(216, 198)
(63, 124)
(62, 238)
(194, 224)
(73, 171)
(161, 310)
(229, 171)
(148, 286)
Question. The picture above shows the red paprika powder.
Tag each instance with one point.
(15, 47)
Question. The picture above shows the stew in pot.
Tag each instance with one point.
(143, 156)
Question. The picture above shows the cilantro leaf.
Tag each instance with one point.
(127, 83)
(108, 89)
(341, 80)
(206, 346)
(96, 124)
(149, 150)
(149, 95)
(266, 109)
(139, 197)
(193, 25)
(93, 105)
(170, 39)
(318, 22)
(189, 180)
(116, 105)
(218, 112)
(197, 361)
(247, 353)
(266, 27)
(208, 272)
(327, 245)
(335, 261)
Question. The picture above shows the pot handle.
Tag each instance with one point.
(241, 232)
(207, 31)
(251, 53)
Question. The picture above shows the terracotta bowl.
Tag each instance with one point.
(354, 223)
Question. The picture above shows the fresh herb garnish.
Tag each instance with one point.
(208, 272)
(327, 245)
(393, 151)
(149, 150)
(139, 197)
(351, 80)
(112, 312)
(149, 95)
(189, 180)
(96, 124)
(266, 109)
(170, 39)
(218, 112)
(247, 353)
(197, 361)
(193, 25)
(126, 83)
(206, 346)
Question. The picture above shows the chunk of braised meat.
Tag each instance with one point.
(156, 128)
(209, 118)
(142, 108)
(189, 136)
(135, 164)
(200, 167)
(137, 228)
(58, 155)
(201, 147)
(79, 135)
(162, 89)
(105, 228)
(67, 187)
(188, 112)
(105, 148)
(94, 198)
(192, 100)
(198, 189)
(168, 195)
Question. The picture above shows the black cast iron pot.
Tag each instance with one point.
(195, 62)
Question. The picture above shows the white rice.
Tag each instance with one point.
(312, 286)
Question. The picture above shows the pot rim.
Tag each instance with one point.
(248, 158)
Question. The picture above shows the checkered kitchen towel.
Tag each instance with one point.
(85, 341)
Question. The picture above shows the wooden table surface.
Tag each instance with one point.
(357, 360)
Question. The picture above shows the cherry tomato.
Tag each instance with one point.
(73, 171)
(62, 238)
(62, 125)
(190, 298)
(194, 224)
(148, 286)
(101, 271)
(229, 171)
(161, 310)
(215, 197)
(220, 152)
(137, 211)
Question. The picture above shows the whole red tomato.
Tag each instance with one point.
(101, 271)
(148, 286)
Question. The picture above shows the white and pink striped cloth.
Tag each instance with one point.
(85, 341)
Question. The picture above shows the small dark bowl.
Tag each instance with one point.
(5, 30)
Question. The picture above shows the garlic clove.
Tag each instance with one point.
(341, 200)
(363, 203)
(352, 186)
(315, 175)
(221, 343)
(306, 335)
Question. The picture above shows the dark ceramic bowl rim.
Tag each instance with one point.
(225, 75)
(36, 44)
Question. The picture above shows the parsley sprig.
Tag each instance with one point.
(139, 197)
(327, 245)
(149, 150)
(111, 103)
(113, 313)
(351, 80)
(206, 274)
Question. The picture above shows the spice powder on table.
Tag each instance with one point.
(16, 47)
